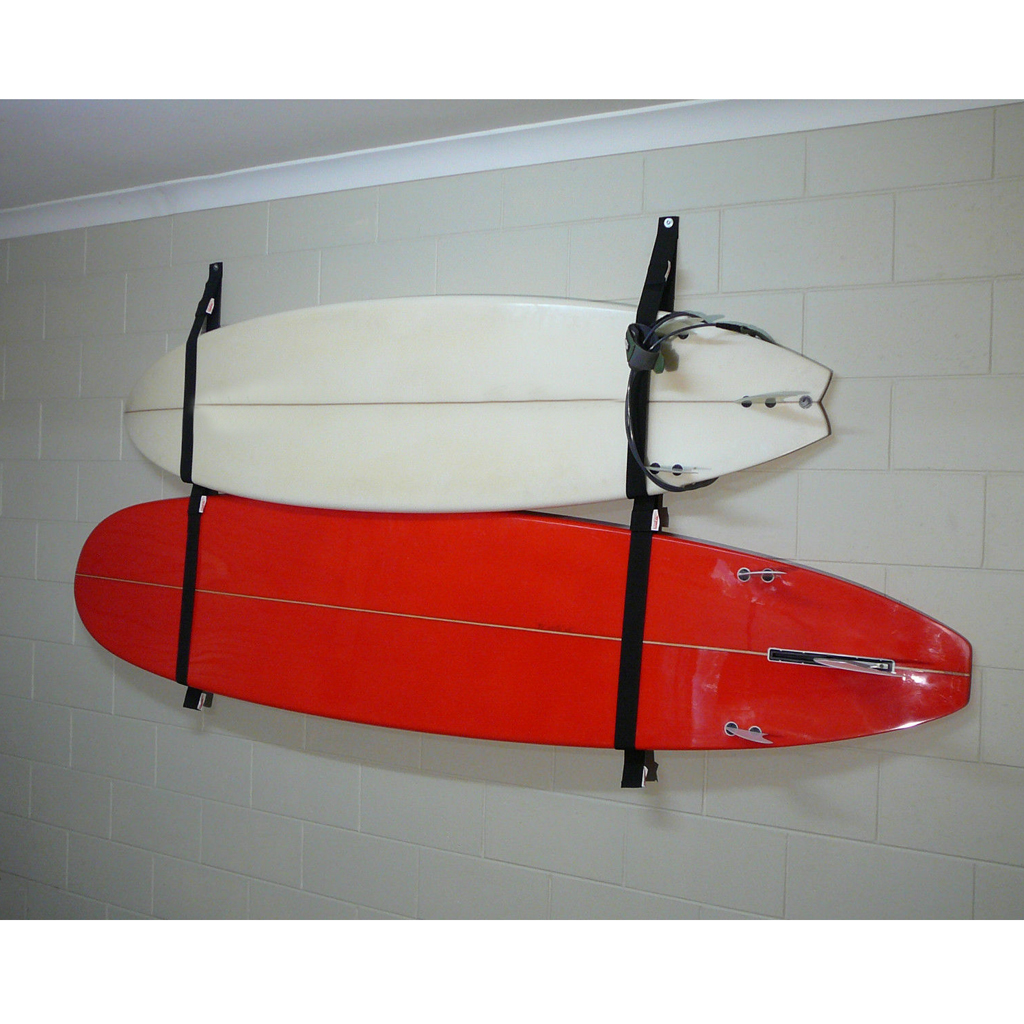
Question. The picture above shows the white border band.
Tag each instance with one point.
(662, 127)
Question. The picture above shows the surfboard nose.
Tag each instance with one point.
(152, 411)
(158, 387)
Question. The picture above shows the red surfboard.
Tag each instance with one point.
(506, 626)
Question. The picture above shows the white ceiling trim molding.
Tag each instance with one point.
(662, 127)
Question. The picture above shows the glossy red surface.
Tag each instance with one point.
(506, 626)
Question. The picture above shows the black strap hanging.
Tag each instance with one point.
(658, 293)
(194, 698)
(207, 317)
(647, 519)
(648, 515)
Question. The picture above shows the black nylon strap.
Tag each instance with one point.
(194, 698)
(658, 293)
(633, 764)
(208, 316)
(197, 504)
(634, 616)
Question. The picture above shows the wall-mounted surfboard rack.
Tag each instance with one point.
(649, 515)
(656, 322)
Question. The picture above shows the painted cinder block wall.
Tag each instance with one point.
(893, 252)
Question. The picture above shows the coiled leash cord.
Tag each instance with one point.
(644, 354)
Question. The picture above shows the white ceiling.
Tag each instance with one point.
(61, 149)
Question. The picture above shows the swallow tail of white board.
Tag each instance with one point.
(465, 403)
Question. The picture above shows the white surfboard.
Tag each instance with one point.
(463, 403)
